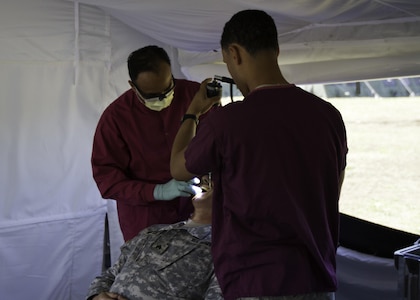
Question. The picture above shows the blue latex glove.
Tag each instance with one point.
(173, 189)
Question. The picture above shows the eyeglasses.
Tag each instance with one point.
(155, 96)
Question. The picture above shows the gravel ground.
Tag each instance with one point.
(382, 181)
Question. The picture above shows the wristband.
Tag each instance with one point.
(190, 116)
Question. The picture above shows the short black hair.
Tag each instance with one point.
(146, 59)
(254, 30)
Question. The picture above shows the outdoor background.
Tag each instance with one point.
(382, 181)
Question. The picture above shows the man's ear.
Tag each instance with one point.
(236, 53)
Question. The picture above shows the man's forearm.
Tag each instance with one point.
(185, 134)
(199, 106)
(341, 180)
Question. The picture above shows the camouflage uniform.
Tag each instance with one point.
(163, 262)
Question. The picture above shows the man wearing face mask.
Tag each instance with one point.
(133, 141)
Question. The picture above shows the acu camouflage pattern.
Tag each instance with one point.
(163, 262)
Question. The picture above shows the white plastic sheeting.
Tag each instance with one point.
(365, 277)
(62, 62)
(320, 41)
(52, 259)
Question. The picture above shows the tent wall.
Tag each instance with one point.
(362, 276)
(61, 64)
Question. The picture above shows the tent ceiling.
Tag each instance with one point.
(337, 40)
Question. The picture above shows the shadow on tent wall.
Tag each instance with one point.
(371, 238)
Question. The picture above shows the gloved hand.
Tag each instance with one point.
(174, 188)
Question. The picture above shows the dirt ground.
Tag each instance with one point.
(382, 181)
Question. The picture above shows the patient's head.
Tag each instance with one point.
(202, 202)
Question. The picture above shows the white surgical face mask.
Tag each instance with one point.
(157, 104)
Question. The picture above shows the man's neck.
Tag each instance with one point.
(201, 217)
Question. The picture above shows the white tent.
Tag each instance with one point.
(62, 62)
